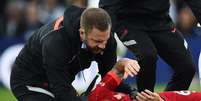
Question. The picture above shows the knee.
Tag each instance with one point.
(148, 55)
(188, 72)
(191, 71)
(147, 61)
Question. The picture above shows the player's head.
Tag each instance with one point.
(95, 28)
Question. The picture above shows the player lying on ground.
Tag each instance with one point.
(104, 91)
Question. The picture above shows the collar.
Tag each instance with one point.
(83, 46)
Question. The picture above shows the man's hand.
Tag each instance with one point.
(147, 95)
(127, 67)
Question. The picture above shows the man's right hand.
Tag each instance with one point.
(127, 67)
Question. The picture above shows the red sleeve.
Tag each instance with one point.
(181, 96)
(104, 91)
(111, 80)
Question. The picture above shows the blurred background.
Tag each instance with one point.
(20, 18)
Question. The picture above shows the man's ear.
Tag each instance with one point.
(82, 34)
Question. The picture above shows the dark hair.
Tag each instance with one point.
(95, 17)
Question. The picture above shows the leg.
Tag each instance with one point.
(170, 46)
(21, 91)
(142, 46)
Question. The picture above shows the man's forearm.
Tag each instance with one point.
(122, 87)
(118, 73)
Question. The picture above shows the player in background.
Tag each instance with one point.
(146, 29)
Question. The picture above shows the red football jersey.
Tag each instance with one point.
(104, 91)
(181, 96)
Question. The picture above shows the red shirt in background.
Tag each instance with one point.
(181, 96)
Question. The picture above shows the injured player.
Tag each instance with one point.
(105, 90)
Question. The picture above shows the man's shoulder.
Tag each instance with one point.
(72, 16)
(72, 12)
(73, 9)
(47, 33)
(53, 37)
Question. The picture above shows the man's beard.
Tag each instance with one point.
(95, 50)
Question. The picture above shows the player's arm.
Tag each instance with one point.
(127, 67)
(121, 69)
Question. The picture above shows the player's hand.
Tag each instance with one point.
(127, 66)
(147, 95)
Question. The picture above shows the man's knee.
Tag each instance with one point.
(147, 61)
(147, 58)
(188, 72)
(148, 54)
